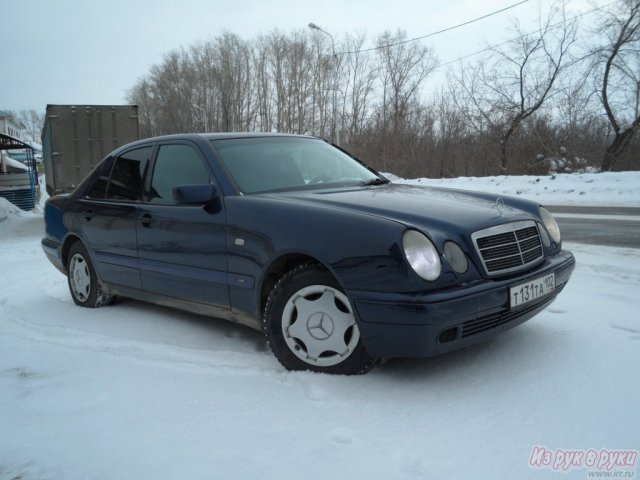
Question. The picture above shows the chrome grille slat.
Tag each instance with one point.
(529, 244)
(500, 252)
(509, 248)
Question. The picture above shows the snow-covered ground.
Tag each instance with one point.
(135, 391)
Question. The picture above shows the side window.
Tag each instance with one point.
(126, 177)
(176, 165)
(98, 184)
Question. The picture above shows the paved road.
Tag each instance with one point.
(613, 226)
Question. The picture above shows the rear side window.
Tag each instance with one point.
(126, 177)
(100, 181)
(176, 165)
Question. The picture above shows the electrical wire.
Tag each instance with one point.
(491, 47)
(434, 33)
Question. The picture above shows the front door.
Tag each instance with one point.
(182, 248)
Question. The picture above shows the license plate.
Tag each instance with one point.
(532, 290)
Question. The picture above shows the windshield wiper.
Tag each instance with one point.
(375, 181)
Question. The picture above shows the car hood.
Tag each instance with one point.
(425, 208)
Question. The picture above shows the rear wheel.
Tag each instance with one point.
(310, 324)
(83, 281)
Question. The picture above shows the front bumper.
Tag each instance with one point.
(422, 325)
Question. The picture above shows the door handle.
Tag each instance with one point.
(88, 214)
(146, 220)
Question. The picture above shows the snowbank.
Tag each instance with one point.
(44, 196)
(599, 189)
(9, 212)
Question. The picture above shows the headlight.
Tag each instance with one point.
(456, 257)
(421, 255)
(550, 224)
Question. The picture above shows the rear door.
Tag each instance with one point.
(107, 216)
(182, 248)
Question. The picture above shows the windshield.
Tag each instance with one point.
(267, 164)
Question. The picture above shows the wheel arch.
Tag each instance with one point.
(281, 265)
(69, 241)
(295, 346)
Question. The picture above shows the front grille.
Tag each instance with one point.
(509, 248)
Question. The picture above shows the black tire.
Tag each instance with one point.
(83, 282)
(329, 326)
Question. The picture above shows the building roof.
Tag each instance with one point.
(10, 143)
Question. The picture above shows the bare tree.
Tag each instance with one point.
(495, 115)
(287, 77)
(206, 108)
(402, 68)
(619, 76)
(357, 95)
(33, 122)
(499, 92)
(233, 80)
(141, 94)
(172, 84)
(265, 104)
(451, 152)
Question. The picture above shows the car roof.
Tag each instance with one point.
(209, 137)
(219, 136)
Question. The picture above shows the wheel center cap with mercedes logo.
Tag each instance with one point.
(320, 326)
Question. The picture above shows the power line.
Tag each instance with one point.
(491, 47)
(434, 33)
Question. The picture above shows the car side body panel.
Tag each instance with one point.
(182, 252)
(262, 230)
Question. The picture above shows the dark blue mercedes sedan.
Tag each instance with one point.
(295, 237)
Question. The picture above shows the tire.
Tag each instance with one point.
(310, 325)
(82, 279)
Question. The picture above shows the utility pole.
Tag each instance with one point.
(336, 130)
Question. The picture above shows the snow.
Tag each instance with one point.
(588, 189)
(44, 196)
(135, 391)
(9, 212)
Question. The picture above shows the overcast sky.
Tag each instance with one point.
(91, 52)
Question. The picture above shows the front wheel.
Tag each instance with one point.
(83, 281)
(310, 324)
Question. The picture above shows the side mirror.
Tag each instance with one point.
(194, 194)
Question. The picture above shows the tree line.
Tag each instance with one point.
(32, 120)
(562, 98)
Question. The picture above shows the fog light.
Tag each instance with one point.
(456, 257)
(448, 335)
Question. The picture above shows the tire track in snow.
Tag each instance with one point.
(171, 356)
